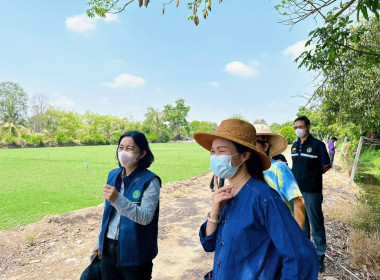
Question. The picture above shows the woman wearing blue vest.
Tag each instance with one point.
(128, 236)
(249, 227)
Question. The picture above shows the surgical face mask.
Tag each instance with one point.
(301, 132)
(127, 159)
(221, 166)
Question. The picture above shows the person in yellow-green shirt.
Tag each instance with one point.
(279, 176)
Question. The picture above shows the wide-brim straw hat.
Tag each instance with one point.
(277, 143)
(235, 130)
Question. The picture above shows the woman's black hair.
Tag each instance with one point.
(141, 142)
(254, 165)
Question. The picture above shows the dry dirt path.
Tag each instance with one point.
(60, 244)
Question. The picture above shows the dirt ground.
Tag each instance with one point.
(58, 246)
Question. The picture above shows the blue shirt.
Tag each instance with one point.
(280, 177)
(323, 156)
(258, 238)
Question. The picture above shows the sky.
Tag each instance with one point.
(240, 61)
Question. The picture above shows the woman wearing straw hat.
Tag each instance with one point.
(249, 227)
(279, 176)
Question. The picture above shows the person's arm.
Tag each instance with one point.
(208, 241)
(292, 192)
(141, 214)
(323, 157)
(299, 211)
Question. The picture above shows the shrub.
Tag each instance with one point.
(63, 138)
(288, 133)
(10, 140)
(114, 139)
(95, 139)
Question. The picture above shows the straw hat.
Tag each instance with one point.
(277, 143)
(235, 130)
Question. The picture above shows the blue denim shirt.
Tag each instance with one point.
(259, 239)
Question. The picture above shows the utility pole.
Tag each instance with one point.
(356, 161)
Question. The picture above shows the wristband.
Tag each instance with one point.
(212, 221)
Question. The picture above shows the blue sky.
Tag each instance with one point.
(238, 61)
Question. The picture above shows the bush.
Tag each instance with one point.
(10, 140)
(114, 139)
(288, 133)
(63, 138)
(34, 140)
(95, 139)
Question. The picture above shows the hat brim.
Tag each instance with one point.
(278, 144)
(205, 140)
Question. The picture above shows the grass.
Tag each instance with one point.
(41, 181)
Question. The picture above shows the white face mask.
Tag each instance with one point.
(127, 159)
(301, 132)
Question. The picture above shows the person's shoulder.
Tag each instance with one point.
(115, 171)
(260, 188)
(279, 165)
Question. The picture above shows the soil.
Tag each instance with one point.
(58, 246)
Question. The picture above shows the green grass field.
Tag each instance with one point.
(36, 182)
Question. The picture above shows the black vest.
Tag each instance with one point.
(307, 167)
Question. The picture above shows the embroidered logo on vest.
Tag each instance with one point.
(136, 194)
(309, 150)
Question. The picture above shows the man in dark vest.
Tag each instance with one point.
(310, 161)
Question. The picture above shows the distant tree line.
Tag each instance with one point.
(32, 122)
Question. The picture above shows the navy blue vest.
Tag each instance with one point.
(137, 243)
(307, 167)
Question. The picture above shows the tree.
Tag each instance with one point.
(261, 121)
(293, 11)
(176, 117)
(154, 126)
(238, 116)
(202, 126)
(350, 89)
(288, 133)
(275, 128)
(38, 107)
(13, 107)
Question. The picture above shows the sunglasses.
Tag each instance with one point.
(262, 142)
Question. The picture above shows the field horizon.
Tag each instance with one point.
(58, 180)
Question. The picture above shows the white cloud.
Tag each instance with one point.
(215, 84)
(298, 48)
(110, 18)
(238, 68)
(64, 103)
(82, 23)
(126, 80)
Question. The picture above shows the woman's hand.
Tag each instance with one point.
(220, 198)
(110, 193)
(97, 251)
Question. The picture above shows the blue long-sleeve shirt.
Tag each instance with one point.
(259, 239)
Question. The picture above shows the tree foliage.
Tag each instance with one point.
(13, 107)
(349, 91)
(203, 126)
(288, 133)
(51, 126)
(176, 118)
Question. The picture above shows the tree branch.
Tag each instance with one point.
(341, 11)
(120, 10)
